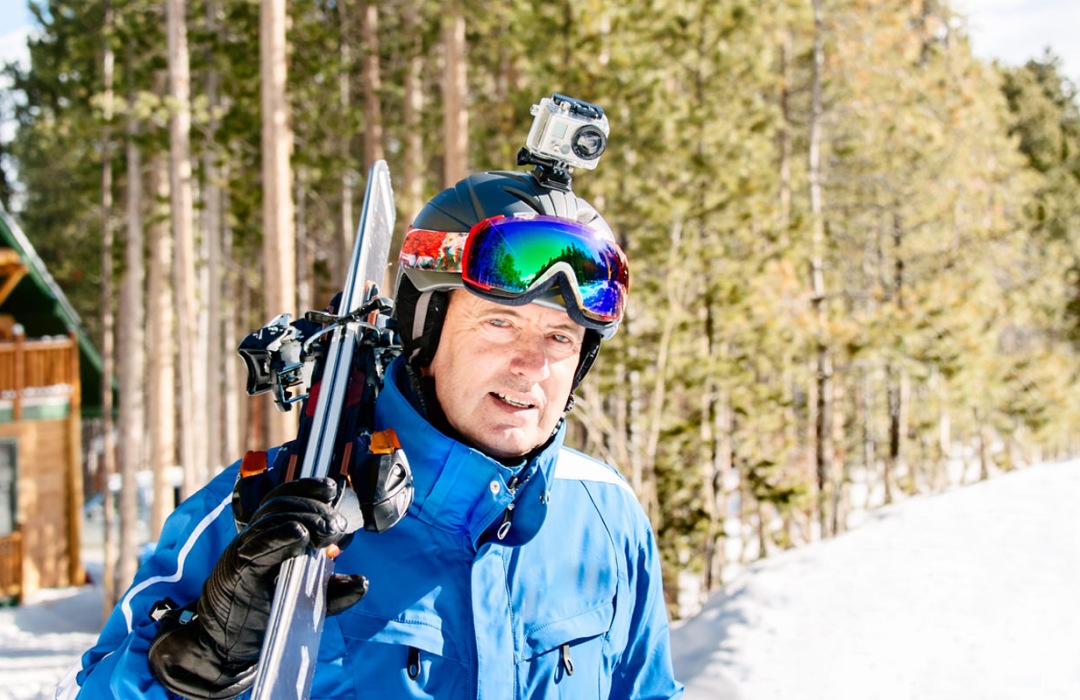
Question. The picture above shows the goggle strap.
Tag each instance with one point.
(420, 314)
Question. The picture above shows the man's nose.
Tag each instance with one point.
(530, 356)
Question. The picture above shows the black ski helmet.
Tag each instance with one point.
(422, 295)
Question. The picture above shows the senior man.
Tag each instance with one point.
(523, 569)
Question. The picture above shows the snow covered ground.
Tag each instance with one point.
(41, 639)
(974, 593)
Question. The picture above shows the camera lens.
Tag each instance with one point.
(588, 143)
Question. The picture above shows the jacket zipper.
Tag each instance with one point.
(508, 514)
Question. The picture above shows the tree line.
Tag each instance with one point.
(855, 248)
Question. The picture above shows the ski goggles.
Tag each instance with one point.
(517, 260)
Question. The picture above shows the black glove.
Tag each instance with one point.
(213, 653)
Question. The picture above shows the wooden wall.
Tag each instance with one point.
(44, 512)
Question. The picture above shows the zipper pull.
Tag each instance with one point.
(413, 667)
(567, 662)
(507, 521)
(508, 514)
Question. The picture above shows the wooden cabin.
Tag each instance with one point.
(45, 360)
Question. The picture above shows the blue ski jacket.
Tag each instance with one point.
(568, 604)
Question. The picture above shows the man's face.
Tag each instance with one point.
(503, 374)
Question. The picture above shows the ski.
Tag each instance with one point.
(287, 663)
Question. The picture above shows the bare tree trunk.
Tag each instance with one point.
(940, 479)
(233, 410)
(715, 483)
(711, 546)
(840, 503)
(898, 382)
(253, 419)
(748, 506)
(984, 451)
(412, 187)
(456, 119)
(305, 250)
(108, 460)
(823, 446)
(132, 354)
(796, 427)
(892, 394)
(192, 428)
(161, 373)
(783, 134)
(715, 423)
(619, 441)
(213, 270)
(636, 419)
(279, 246)
(648, 494)
(371, 84)
(349, 177)
(868, 442)
(762, 537)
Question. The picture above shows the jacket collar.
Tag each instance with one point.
(459, 489)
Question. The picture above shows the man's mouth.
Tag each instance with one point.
(512, 401)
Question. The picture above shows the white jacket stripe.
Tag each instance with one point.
(125, 603)
(572, 465)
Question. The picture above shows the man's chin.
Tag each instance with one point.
(508, 444)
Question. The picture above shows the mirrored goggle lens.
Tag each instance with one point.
(510, 257)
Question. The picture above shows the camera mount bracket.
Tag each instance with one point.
(550, 173)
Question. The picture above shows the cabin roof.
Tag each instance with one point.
(39, 305)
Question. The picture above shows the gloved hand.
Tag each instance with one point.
(213, 653)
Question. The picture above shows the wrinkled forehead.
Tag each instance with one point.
(542, 311)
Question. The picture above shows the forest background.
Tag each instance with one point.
(855, 246)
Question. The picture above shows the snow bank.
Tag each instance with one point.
(967, 594)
